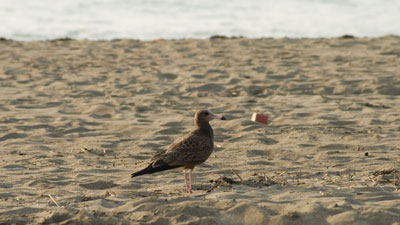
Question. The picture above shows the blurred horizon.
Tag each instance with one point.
(175, 19)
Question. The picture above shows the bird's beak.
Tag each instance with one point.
(215, 116)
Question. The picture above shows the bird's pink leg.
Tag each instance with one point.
(190, 181)
(187, 187)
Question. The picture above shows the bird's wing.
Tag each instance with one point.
(190, 150)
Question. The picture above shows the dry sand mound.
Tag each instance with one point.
(77, 117)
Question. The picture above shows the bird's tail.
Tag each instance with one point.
(150, 169)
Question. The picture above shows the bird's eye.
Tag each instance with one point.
(206, 113)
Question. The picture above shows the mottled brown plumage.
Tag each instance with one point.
(188, 151)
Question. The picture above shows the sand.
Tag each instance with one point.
(78, 117)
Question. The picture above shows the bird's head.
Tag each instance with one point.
(207, 116)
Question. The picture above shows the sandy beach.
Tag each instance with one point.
(78, 117)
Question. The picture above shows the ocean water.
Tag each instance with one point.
(154, 19)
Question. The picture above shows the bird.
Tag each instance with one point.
(188, 151)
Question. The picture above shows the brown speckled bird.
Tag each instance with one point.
(188, 151)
